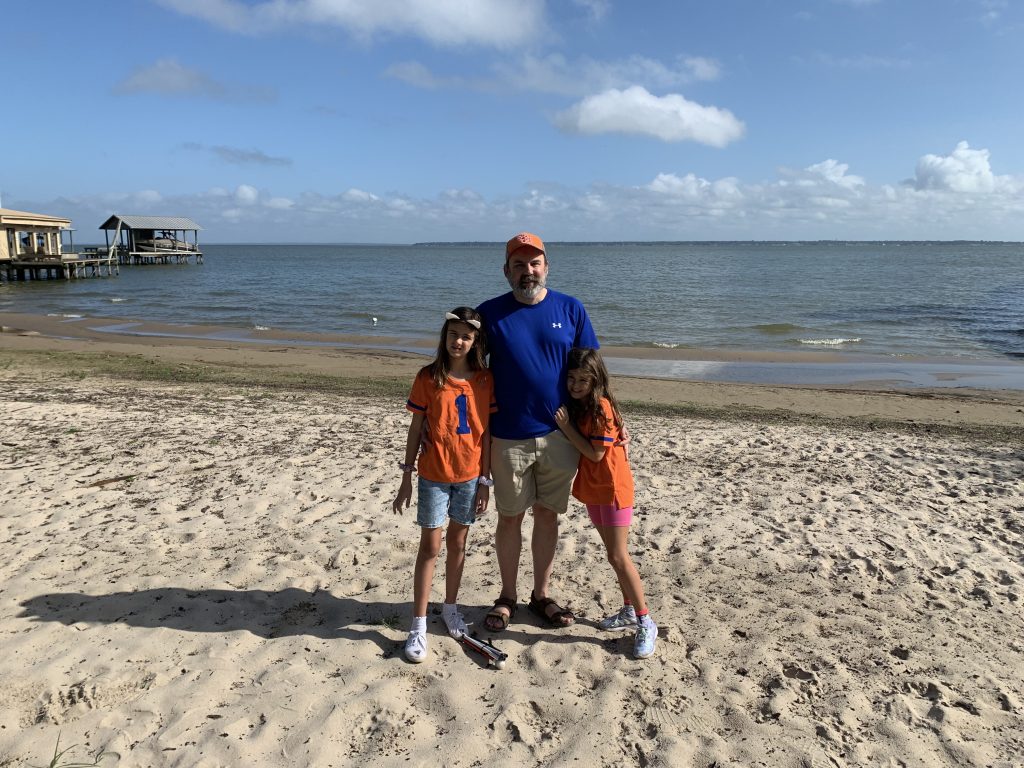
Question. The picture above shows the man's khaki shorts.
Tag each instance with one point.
(538, 470)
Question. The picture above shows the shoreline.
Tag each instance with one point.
(363, 365)
(73, 326)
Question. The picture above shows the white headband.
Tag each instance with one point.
(453, 316)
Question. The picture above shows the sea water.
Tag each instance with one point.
(931, 299)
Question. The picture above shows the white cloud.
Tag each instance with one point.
(832, 172)
(246, 195)
(359, 196)
(964, 170)
(416, 74)
(864, 62)
(495, 23)
(167, 77)
(637, 111)
(596, 9)
(992, 11)
(822, 200)
(690, 187)
(238, 156)
(556, 74)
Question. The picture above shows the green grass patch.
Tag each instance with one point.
(76, 366)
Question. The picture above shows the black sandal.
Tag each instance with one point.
(562, 617)
(494, 617)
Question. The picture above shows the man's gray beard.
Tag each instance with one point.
(530, 292)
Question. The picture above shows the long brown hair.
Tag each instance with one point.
(589, 363)
(442, 365)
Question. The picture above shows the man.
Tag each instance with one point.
(530, 331)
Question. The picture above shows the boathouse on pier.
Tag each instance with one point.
(152, 239)
(32, 247)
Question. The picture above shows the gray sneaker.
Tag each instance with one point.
(646, 636)
(624, 619)
(453, 620)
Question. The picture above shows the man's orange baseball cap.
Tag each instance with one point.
(522, 239)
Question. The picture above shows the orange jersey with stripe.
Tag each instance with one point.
(608, 481)
(457, 416)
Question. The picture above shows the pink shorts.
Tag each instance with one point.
(608, 515)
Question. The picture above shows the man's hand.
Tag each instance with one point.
(562, 417)
(624, 440)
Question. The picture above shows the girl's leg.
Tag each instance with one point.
(604, 532)
(618, 555)
(615, 538)
(455, 561)
(423, 576)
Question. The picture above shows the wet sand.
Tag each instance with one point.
(368, 356)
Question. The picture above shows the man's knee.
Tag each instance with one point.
(544, 516)
(510, 523)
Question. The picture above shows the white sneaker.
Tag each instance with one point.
(453, 620)
(624, 619)
(646, 635)
(416, 647)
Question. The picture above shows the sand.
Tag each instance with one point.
(211, 575)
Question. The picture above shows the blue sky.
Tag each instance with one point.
(408, 120)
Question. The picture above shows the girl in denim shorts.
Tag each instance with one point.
(451, 403)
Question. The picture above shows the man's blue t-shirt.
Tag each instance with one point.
(528, 345)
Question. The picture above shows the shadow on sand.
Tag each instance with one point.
(283, 613)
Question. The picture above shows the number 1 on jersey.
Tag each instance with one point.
(462, 404)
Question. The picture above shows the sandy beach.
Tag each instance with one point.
(203, 569)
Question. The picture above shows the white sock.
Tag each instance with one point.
(419, 624)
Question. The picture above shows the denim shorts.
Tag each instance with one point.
(436, 502)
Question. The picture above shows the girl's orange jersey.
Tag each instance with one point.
(457, 416)
(609, 480)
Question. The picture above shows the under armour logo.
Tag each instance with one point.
(556, 325)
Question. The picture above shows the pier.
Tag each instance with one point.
(152, 239)
(65, 266)
(32, 248)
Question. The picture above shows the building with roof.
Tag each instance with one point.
(30, 235)
(152, 239)
(32, 246)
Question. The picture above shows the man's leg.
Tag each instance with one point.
(543, 545)
(508, 544)
(557, 462)
(514, 489)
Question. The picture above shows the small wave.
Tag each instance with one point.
(829, 342)
(665, 345)
(58, 314)
(261, 327)
(116, 300)
(776, 328)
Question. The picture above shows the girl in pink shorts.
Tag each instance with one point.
(591, 421)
